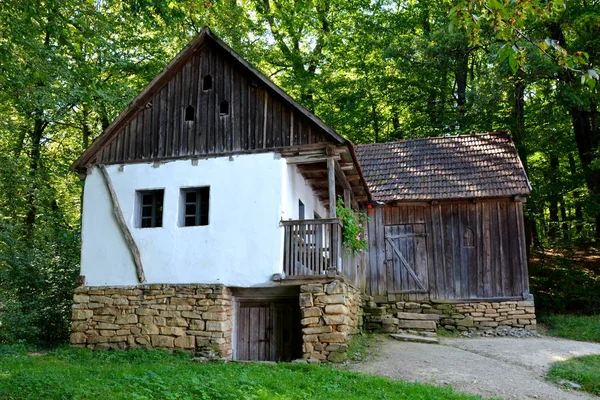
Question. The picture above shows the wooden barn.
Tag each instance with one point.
(449, 221)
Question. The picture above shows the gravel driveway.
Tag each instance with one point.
(506, 368)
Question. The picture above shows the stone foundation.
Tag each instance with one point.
(331, 314)
(392, 317)
(187, 317)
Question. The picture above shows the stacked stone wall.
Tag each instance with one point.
(331, 314)
(188, 317)
(469, 316)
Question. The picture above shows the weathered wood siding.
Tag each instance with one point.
(257, 119)
(474, 250)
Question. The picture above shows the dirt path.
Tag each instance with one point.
(506, 368)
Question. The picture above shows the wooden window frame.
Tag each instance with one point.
(201, 206)
(156, 207)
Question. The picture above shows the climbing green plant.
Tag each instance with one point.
(353, 227)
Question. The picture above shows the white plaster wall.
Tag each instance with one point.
(241, 246)
(297, 189)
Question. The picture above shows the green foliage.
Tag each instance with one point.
(567, 282)
(585, 328)
(142, 374)
(353, 227)
(511, 22)
(584, 370)
(36, 288)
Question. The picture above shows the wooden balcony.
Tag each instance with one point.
(312, 247)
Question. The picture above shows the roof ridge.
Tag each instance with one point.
(474, 134)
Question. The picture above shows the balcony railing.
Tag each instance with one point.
(312, 247)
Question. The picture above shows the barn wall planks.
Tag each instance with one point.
(473, 250)
(256, 118)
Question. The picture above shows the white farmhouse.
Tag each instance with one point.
(209, 224)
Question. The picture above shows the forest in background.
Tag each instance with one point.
(374, 70)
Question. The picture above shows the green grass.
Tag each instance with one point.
(576, 327)
(442, 332)
(583, 370)
(359, 347)
(141, 374)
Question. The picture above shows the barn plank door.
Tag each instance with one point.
(406, 258)
(268, 330)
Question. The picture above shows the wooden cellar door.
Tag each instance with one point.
(268, 330)
(406, 258)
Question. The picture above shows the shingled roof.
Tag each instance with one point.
(438, 168)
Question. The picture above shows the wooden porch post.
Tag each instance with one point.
(335, 234)
(331, 179)
(347, 198)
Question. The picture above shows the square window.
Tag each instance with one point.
(194, 206)
(150, 208)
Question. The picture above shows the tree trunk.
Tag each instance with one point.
(34, 163)
(578, 220)
(375, 120)
(397, 135)
(564, 221)
(460, 74)
(518, 135)
(85, 127)
(587, 133)
(554, 197)
(587, 137)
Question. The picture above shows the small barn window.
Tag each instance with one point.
(150, 208)
(189, 113)
(469, 238)
(194, 206)
(224, 108)
(207, 83)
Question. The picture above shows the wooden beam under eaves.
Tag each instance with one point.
(310, 159)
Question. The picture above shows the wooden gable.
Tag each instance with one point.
(175, 117)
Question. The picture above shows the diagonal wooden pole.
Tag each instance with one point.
(133, 249)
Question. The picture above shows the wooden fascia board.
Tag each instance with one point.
(359, 170)
(309, 159)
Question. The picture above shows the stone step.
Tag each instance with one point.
(417, 324)
(414, 338)
(426, 317)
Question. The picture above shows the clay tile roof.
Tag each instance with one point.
(450, 167)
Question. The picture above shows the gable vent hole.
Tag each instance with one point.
(224, 108)
(207, 84)
(189, 113)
